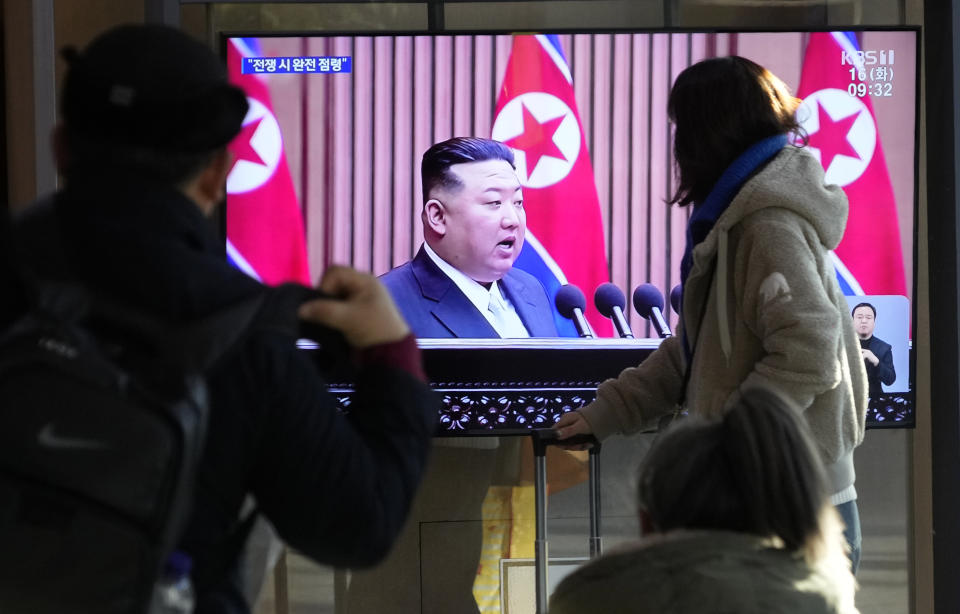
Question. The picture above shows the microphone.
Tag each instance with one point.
(570, 303)
(648, 301)
(611, 302)
(676, 298)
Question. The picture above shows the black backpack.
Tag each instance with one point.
(103, 421)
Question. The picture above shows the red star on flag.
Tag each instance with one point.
(241, 147)
(831, 137)
(536, 141)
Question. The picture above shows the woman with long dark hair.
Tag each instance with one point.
(761, 303)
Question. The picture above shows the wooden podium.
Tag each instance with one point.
(508, 386)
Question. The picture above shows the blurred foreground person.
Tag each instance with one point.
(735, 519)
(147, 114)
(14, 300)
(761, 303)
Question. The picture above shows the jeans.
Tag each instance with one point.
(851, 521)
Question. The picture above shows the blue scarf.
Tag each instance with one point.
(706, 214)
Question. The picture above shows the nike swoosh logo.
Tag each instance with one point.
(49, 439)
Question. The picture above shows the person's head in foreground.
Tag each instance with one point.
(735, 517)
(473, 215)
(148, 103)
(719, 108)
(754, 470)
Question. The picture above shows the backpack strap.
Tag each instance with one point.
(200, 344)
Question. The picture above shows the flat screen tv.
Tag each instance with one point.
(327, 168)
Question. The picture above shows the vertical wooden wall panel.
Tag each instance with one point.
(363, 153)
(676, 227)
(422, 130)
(781, 53)
(463, 107)
(342, 201)
(640, 169)
(442, 89)
(404, 158)
(384, 132)
(660, 161)
(317, 154)
(602, 81)
(485, 86)
(618, 233)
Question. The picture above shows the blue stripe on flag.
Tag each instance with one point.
(847, 41)
(852, 38)
(844, 286)
(848, 283)
(248, 47)
(555, 41)
(551, 46)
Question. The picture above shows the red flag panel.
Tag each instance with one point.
(837, 114)
(537, 116)
(264, 223)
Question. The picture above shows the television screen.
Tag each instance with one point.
(328, 170)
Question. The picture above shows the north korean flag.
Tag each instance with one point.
(537, 117)
(843, 134)
(265, 234)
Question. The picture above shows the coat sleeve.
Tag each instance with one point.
(884, 369)
(640, 395)
(785, 303)
(338, 487)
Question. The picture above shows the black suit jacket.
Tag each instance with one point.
(884, 371)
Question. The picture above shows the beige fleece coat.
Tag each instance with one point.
(762, 307)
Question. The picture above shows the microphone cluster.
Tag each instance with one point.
(611, 302)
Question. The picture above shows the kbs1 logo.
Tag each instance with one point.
(871, 72)
(870, 57)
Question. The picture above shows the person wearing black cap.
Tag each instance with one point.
(146, 116)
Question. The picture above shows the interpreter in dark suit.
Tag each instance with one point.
(877, 353)
(462, 282)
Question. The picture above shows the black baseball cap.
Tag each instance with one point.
(151, 86)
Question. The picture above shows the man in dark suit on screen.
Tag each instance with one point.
(462, 282)
(877, 353)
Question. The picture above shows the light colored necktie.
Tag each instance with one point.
(505, 321)
(499, 316)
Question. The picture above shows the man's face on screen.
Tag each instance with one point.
(864, 322)
(483, 222)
